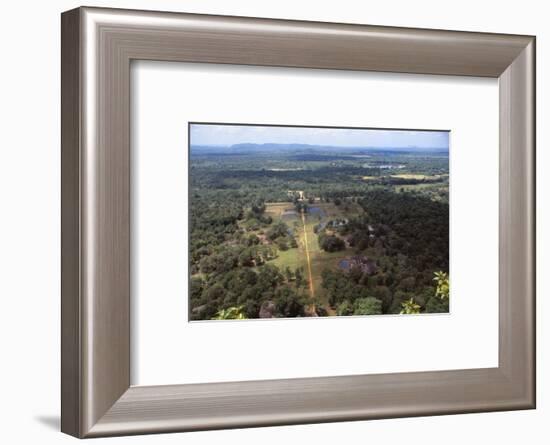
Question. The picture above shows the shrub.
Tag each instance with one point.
(367, 306)
(344, 308)
(331, 243)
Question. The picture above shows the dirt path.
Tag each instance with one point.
(311, 289)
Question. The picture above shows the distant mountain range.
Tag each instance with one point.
(305, 148)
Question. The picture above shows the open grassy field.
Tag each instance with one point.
(436, 192)
(422, 186)
(370, 178)
(406, 176)
(416, 176)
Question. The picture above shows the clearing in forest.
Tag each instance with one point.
(308, 255)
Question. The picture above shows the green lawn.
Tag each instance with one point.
(292, 258)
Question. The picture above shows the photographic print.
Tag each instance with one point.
(298, 221)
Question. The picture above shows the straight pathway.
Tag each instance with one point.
(311, 289)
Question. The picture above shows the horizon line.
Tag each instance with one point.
(317, 145)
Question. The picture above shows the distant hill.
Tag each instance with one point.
(306, 148)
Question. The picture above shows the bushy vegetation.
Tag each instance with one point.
(331, 243)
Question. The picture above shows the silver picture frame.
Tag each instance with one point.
(98, 46)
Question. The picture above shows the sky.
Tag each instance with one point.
(227, 135)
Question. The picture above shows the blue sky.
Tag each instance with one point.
(234, 134)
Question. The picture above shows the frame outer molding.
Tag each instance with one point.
(517, 218)
(97, 48)
(71, 382)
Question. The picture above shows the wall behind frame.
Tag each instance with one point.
(30, 218)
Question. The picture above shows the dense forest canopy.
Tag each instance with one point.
(299, 232)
